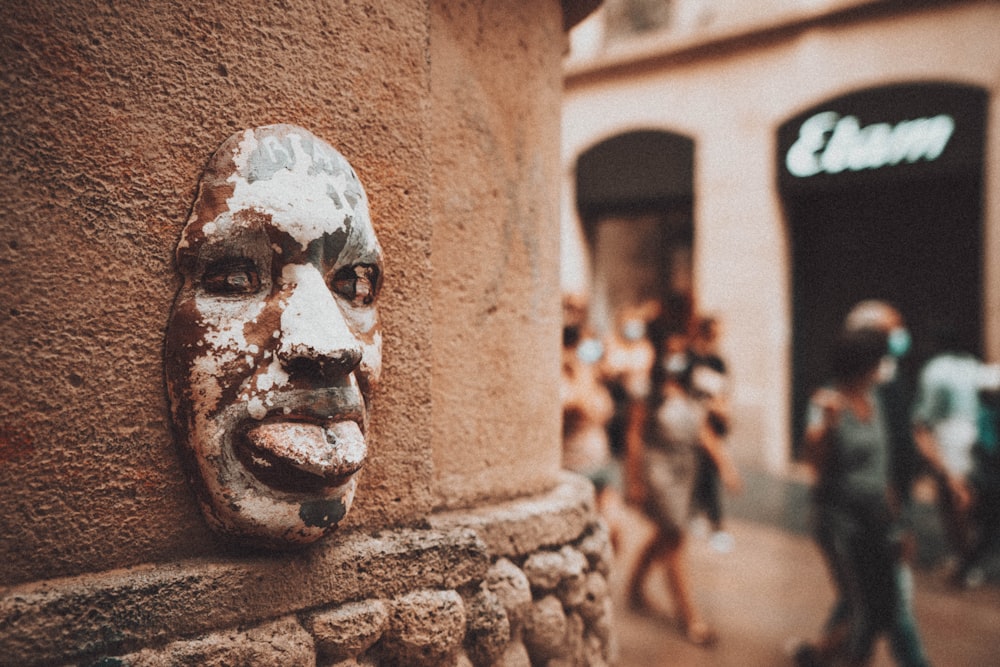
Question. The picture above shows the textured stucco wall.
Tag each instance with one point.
(109, 113)
(496, 89)
(448, 112)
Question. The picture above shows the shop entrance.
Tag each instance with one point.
(866, 224)
(634, 197)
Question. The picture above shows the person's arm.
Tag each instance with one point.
(930, 452)
(713, 445)
(824, 413)
(931, 406)
(635, 489)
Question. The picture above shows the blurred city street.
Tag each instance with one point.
(772, 591)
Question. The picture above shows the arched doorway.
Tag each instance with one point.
(882, 191)
(634, 196)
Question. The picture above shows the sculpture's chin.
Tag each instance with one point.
(279, 523)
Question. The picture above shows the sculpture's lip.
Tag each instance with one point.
(319, 406)
(302, 453)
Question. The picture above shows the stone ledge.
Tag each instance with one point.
(63, 620)
(127, 609)
(518, 527)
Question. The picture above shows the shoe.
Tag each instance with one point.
(971, 577)
(722, 542)
(638, 602)
(806, 655)
(699, 527)
(700, 634)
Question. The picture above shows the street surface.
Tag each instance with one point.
(772, 590)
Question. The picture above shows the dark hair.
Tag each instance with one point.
(704, 328)
(856, 353)
(571, 336)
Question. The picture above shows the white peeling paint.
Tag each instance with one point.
(312, 323)
(256, 408)
(302, 204)
(273, 376)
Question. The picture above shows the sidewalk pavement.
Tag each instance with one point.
(772, 590)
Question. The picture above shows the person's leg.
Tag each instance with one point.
(713, 495)
(903, 635)
(696, 629)
(701, 494)
(955, 521)
(654, 549)
(610, 508)
(851, 639)
(984, 529)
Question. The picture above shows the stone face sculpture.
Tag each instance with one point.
(273, 345)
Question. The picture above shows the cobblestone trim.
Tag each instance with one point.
(435, 597)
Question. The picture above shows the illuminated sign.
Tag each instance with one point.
(831, 143)
(883, 136)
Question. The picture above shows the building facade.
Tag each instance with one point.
(773, 163)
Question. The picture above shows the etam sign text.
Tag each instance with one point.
(830, 143)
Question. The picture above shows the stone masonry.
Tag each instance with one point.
(518, 583)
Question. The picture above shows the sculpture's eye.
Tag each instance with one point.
(231, 275)
(358, 284)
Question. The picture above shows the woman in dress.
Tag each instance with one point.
(676, 426)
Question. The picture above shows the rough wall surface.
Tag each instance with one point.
(496, 91)
(452, 593)
(109, 113)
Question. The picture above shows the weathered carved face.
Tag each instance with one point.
(273, 344)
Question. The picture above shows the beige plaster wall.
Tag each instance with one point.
(109, 112)
(496, 93)
(730, 100)
(449, 113)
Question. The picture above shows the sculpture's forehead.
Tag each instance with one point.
(301, 184)
(261, 154)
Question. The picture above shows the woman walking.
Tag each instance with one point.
(846, 444)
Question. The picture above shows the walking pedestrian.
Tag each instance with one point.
(948, 429)
(710, 385)
(676, 425)
(856, 520)
(587, 408)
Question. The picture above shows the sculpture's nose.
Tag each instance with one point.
(314, 336)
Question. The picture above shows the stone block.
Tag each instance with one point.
(350, 630)
(596, 546)
(511, 586)
(545, 630)
(283, 643)
(515, 655)
(544, 570)
(596, 594)
(425, 628)
(551, 570)
(487, 627)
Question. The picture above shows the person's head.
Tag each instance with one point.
(856, 355)
(674, 369)
(574, 309)
(705, 333)
(632, 321)
(881, 316)
(273, 344)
